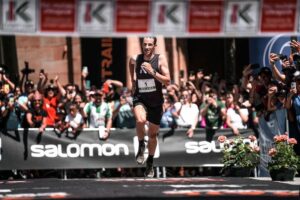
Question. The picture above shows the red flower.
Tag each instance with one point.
(256, 149)
(222, 138)
(252, 138)
(292, 141)
(284, 137)
(272, 152)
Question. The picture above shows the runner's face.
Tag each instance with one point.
(148, 46)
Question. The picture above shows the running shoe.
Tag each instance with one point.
(149, 172)
(140, 158)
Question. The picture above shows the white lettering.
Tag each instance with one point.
(201, 147)
(78, 150)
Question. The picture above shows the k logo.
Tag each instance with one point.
(15, 10)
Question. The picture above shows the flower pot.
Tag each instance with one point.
(238, 171)
(283, 174)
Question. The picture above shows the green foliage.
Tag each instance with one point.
(240, 152)
(283, 154)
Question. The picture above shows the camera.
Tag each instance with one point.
(296, 59)
(281, 93)
(282, 56)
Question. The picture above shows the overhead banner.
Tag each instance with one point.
(95, 16)
(57, 15)
(26, 149)
(19, 16)
(205, 16)
(279, 16)
(169, 16)
(132, 15)
(242, 16)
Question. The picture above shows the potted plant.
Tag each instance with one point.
(240, 155)
(284, 161)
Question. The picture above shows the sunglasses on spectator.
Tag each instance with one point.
(37, 100)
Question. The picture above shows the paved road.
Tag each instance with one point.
(136, 188)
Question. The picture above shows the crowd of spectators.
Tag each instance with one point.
(201, 101)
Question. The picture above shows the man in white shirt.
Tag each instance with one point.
(99, 114)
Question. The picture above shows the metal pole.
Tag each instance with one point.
(64, 174)
(164, 174)
(157, 172)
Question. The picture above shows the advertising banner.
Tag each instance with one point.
(242, 16)
(205, 16)
(169, 16)
(95, 16)
(260, 49)
(105, 59)
(57, 15)
(19, 16)
(132, 15)
(26, 149)
(279, 16)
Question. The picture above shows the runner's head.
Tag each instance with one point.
(149, 44)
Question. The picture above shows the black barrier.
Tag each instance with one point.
(26, 149)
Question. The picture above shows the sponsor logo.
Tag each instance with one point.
(204, 147)
(20, 10)
(78, 150)
(201, 147)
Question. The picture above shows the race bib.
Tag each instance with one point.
(146, 85)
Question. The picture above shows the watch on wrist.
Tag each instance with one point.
(154, 72)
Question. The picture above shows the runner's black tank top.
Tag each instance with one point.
(148, 89)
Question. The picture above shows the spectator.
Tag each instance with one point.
(214, 113)
(187, 113)
(74, 120)
(36, 116)
(50, 104)
(236, 117)
(99, 113)
(123, 115)
(168, 119)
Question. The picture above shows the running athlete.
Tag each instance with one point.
(149, 71)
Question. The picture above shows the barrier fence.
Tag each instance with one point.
(26, 149)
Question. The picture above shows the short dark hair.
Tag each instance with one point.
(152, 37)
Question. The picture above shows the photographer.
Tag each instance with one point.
(187, 113)
(214, 113)
(236, 115)
(6, 84)
(287, 68)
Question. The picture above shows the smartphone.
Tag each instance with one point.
(293, 50)
(85, 69)
(42, 71)
(293, 85)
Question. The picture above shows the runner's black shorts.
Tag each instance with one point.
(154, 113)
